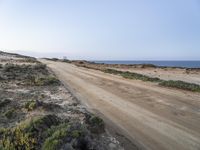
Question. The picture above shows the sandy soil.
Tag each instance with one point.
(168, 74)
(152, 117)
(28, 103)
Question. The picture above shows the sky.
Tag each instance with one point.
(102, 29)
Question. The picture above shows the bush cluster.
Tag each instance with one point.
(21, 72)
(49, 132)
(4, 102)
(132, 75)
(29, 134)
(96, 124)
(181, 85)
(31, 105)
(64, 136)
(10, 113)
(171, 83)
(42, 81)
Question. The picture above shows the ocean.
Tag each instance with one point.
(187, 64)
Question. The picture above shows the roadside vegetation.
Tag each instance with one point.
(136, 76)
(171, 83)
(38, 113)
(34, 75)
(50, 132)
(181, 85)
(131, 75)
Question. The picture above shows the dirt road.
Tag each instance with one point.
(153, 117)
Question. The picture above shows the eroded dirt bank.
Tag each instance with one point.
(150, 116)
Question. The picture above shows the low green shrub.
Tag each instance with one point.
(181, 85)
(31, 105)
(10, 113)
(4, 102)
(148, 66)
(96, 124)
(31, 60)
(48, 80)
(22, 72)
(39, 66)
(112, 71)
(42, 81)
(9, 67)
(29, 134)
(40, 123)
(15, 138)
(132, 75)
(55, 137)
(62, 134)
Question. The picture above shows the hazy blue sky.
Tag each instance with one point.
(102, 29)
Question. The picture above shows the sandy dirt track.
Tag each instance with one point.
(152, 117)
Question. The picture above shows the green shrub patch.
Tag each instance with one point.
(10, 113)
(131, 75)
(181, 85)
(29, 134)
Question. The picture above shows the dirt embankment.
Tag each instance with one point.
(38, 112)
(151, 116)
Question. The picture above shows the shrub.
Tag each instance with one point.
(96, 124)
(15, 138)
(4, 102)
(66, 60)
(31, 105)
(81, 62)
(112, 71)
(40, 124)
(181, 85)
(10, 113)
(29, 134)
(54, 59)
(31, 60)
(9, 67)
(132, 75)
(22, 72)
(56, 136)
(39, 66)
(148, 66)
(65, 133)
(49, 80)
(42, 81)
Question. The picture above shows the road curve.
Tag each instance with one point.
(152, 117)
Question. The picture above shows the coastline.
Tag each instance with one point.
(156, 63)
